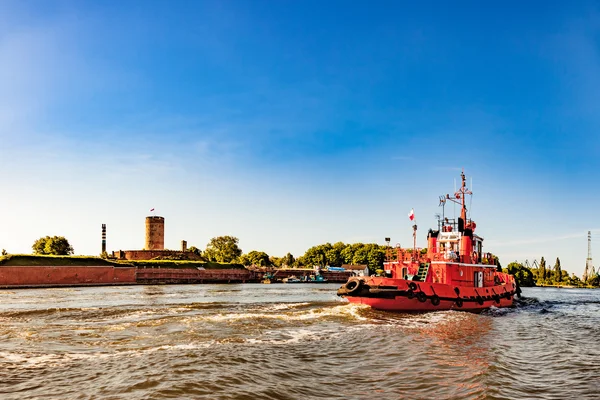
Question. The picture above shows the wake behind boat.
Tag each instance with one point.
(452, 273)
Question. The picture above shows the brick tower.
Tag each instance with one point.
(155, 233)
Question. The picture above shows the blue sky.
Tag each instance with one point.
(289, 124)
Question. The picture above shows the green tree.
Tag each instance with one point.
(347, 252)
(376, 257)
(594, 281)
(542, 271)
(223, 249)
(256, 258)
(52, 245)
(557, 271)
(195, 250)
(574, 280)
(334, 255)
(276, 261)
(522, 274)
(317, 255)
(361, 256)
(288, 260)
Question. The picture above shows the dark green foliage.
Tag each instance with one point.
(45, 260)
(195, 250)
(173, 256)
(371, 254)
(223, 249)
(52, 245)
(276, 261)
(181, 264)
(542, 271)
(522, 274)
(557, 271)
(594, 281)
(256, 258)
(316, 255)
(288, 260)
(555, 276)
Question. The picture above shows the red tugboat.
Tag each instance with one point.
(451, 274)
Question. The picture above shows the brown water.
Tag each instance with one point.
(253, 341)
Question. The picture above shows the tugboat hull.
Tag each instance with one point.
(411, 296)
(414, 305)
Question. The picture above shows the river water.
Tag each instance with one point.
(253, 341)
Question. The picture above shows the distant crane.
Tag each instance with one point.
(534, 264)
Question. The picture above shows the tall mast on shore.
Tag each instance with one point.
(589, 268)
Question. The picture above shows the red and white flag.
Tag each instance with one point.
(411, 214)
(152, 209)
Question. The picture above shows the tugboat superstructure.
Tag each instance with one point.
(452, 273)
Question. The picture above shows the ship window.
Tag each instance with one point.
(478, 279)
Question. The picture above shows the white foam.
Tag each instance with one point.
(58, 359)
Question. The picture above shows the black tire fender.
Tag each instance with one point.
(435, 300)
(459, 303)
(422, 297)
(480, 300)
(410, 294)
(412, 286)
(353, 286)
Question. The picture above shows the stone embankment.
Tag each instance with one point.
(55, 271)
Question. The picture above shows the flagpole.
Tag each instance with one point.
(413, 218)
(415, 240)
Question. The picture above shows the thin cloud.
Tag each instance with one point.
(448, 168)
(541, 240)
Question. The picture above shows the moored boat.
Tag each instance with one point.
(453, 272)
(291, 279)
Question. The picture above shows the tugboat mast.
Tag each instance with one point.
(460, 196)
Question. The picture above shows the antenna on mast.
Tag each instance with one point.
(438, 216)
(471, 200)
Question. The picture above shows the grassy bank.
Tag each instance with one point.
(180, 264)
(61, 261)
(55, 261)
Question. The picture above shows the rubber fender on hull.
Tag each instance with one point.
(435, 300)
(412, 286)
(459, 303)
(353, 286)
(422, 297)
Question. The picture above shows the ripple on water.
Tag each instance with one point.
(257, 342)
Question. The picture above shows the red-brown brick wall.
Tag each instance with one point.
(72, 275)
